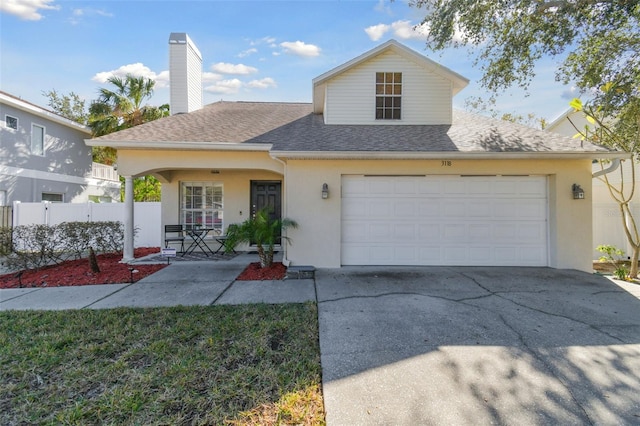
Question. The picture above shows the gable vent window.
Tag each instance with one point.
(388, 95)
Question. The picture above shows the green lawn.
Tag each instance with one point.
(251, 364)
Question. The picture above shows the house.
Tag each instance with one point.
(608, 227)
(378, 170)
(44, 158)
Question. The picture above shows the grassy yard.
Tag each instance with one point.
(253, 364)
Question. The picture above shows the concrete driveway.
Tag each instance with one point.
(444, 345)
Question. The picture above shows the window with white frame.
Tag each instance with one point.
(52, 197)
(388, 95)
(37, 139)
(201, 204)
(11, 122)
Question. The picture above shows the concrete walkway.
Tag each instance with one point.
(181, 283)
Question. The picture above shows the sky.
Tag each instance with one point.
(267, 51)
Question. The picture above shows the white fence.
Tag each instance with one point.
(608, 229)
(147, 217)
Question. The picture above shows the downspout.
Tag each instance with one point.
(285, 261)
(615, 163)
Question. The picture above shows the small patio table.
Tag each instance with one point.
(198, 235)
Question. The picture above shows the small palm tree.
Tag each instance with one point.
(261, 230)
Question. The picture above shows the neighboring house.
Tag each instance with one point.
(608, 228)
(378, 170)
(43, 157)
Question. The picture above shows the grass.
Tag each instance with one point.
(252, 364)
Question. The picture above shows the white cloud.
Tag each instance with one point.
(264, 40)
(162, 79)
(264, 83)
(210, 77)
(403, 29)
(239, 69)
(383, 7)
(79, 14)
(27, 10)
(225, 87)
(375, 32)
(300, 48)
(138, 69)
(406, 30)
(247, 52)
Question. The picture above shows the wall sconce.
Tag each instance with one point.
(325, 191)
(578, 193)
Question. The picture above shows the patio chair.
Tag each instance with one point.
(174, 234)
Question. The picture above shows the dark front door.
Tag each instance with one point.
(267, 193)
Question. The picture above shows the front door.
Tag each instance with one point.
(267, 193)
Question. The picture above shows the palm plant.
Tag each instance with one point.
(122, 108)
(263, 231)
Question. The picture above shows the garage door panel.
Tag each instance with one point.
(444, 220)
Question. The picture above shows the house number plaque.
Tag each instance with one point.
(445, 163)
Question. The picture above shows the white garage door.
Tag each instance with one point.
(444, 220)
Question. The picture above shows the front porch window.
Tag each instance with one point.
(202, 205)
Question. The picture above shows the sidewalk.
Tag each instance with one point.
(181, 283)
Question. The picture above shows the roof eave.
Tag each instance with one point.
(451, 155)
(181, 145)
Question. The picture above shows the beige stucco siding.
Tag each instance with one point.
(350, 97)
(234, 170)
(318, 239)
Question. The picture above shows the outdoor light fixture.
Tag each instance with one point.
(578, 193)
(325, 191)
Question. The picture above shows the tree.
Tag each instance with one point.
(262, 230)
(620, 132)
(70, 106)
(487, 107)
(598, 39)
(120, 109)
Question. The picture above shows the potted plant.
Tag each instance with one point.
(261, 230)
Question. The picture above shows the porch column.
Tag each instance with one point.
(127, 253)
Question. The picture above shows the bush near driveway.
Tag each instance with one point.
(184, 365)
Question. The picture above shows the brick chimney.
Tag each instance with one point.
(185, 79)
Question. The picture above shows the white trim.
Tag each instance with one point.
(392, 155)
(41, 112)
(56, 177)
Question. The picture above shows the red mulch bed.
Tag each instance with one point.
(78, 272)
(254, 272)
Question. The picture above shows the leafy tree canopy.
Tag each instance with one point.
(598, 40)
(70, 106)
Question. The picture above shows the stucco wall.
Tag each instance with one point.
(317, 241)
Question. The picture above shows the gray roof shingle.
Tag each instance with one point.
(293, 127)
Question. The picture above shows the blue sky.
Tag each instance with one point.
(252, 50)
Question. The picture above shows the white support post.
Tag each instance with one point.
(127, 254)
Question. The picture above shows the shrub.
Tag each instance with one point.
(614, 255)
(35, 246)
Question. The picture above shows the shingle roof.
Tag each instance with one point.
(292, 127)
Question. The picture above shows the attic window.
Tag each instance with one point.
(388, 95)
